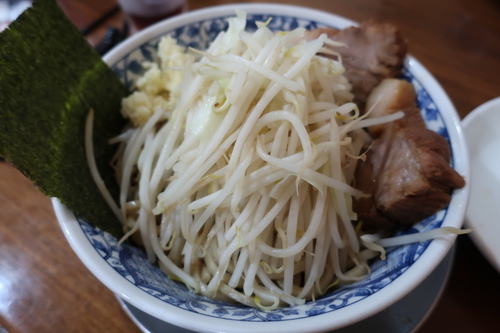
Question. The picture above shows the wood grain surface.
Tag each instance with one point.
(45, 288)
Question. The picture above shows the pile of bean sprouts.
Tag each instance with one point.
(241, 189)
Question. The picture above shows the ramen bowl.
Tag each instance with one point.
(126, 271)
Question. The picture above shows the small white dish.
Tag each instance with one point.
(482, 133)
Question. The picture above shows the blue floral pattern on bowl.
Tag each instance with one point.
(132, 264)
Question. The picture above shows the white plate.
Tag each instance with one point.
(407, 315)
(482, 133)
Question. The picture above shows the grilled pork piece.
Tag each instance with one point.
(372, 52)
(411, 177)
(390, 96)
(407, 170)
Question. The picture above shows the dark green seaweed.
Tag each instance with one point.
(50, 78)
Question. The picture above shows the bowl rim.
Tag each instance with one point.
(400, 287)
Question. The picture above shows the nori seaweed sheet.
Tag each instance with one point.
(50, 78)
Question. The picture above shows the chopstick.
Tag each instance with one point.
(95, 24)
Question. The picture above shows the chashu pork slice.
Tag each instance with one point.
(370, 53)
(390, 96)
(409, 177)
(407, 172)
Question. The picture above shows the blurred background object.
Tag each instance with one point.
(142, 13)
(10, 10)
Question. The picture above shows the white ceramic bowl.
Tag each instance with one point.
(127, 273)
(483, 138)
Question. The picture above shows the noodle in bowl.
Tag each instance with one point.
(128, 273)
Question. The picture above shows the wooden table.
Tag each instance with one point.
(45, 288)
